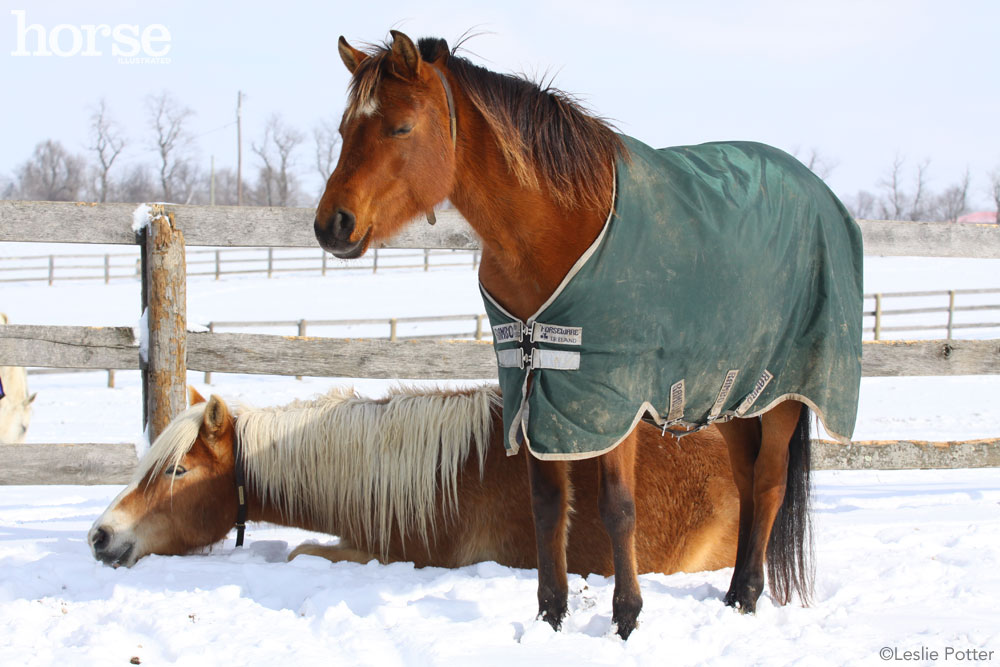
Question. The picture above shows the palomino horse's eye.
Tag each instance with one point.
(174, 471)
(402, 130)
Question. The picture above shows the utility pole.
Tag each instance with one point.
(239, 148)
(211, 188)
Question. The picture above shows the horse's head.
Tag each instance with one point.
(397, 159)
(15, 417)
(183, 496)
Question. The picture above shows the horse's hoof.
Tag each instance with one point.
(553, 614)
(626, 617)
(745, 604)
(552, 619)
(625, 628)
(552, 606)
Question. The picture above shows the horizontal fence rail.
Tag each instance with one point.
(114, 463)
(876, 310)
(118, 347)
(220, 262)
(235, 226)
(100, 348)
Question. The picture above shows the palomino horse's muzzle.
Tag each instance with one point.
(334, 235)
(108, 549)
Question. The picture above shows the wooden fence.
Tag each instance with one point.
(169, 350)
(946, 312)
(219, 262)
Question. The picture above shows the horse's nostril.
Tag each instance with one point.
(100, 539)
(343, 224)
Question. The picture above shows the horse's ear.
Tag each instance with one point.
(405, 53)
(194, 398)
(436, 51)
(31, 399)
(216, 419)
(350, 55)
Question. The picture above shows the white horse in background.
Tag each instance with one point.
(15, 406)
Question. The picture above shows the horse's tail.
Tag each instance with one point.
(790, 549)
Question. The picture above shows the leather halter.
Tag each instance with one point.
(452, 123)
(241, 493)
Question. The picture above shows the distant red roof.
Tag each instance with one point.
(980, 217)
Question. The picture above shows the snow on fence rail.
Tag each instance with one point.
(166, 343)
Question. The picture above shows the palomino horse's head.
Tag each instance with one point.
(183, 496)
(398, 156)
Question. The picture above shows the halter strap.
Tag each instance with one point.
(241, 494)
(452, 120)
(452, 124)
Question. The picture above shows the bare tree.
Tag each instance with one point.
(106, 141)
(327, 148)
(225, 187)
(818, 163)
(137, 185)
(893, 204)
(52, 174)
(918, 206)
(6, 187)
(994, 191)
(167, 120)
(276, 184)
(896, 204)
(953, 202)
(861, 205)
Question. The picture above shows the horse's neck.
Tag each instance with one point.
(529, 242)
(272, 510)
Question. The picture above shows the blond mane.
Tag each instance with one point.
(344, 462)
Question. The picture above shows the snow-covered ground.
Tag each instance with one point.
(907, 560)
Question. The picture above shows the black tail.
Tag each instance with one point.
(790, 549)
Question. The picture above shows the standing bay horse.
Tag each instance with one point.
(416, 476)
(694, 285)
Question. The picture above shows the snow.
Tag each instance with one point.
(906, 560)
(141, 217)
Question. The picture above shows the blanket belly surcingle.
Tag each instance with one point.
(726, 280)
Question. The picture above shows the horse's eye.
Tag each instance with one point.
(174, 471)
(402, 130)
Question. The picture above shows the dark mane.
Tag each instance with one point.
(548, 139)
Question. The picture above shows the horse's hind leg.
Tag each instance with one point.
(550, 501)
(742, 438)
(616, 501)
(770, 474)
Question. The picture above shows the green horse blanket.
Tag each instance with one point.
(726, 279)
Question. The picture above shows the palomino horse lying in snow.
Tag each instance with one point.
(419, 476)
(15, 403)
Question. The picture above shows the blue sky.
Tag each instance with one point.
(857, 80)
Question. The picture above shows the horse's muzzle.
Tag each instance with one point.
(334, 235)
(108, 550)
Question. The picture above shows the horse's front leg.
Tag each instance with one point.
(616, 501)
(550, 500)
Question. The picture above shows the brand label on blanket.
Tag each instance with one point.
(553, 333)
(727, 387)
(758, 389)
(676, 408)
(507, 333)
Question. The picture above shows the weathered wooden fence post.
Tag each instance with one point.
(164, 374)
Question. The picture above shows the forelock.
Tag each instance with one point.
(171, 446)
